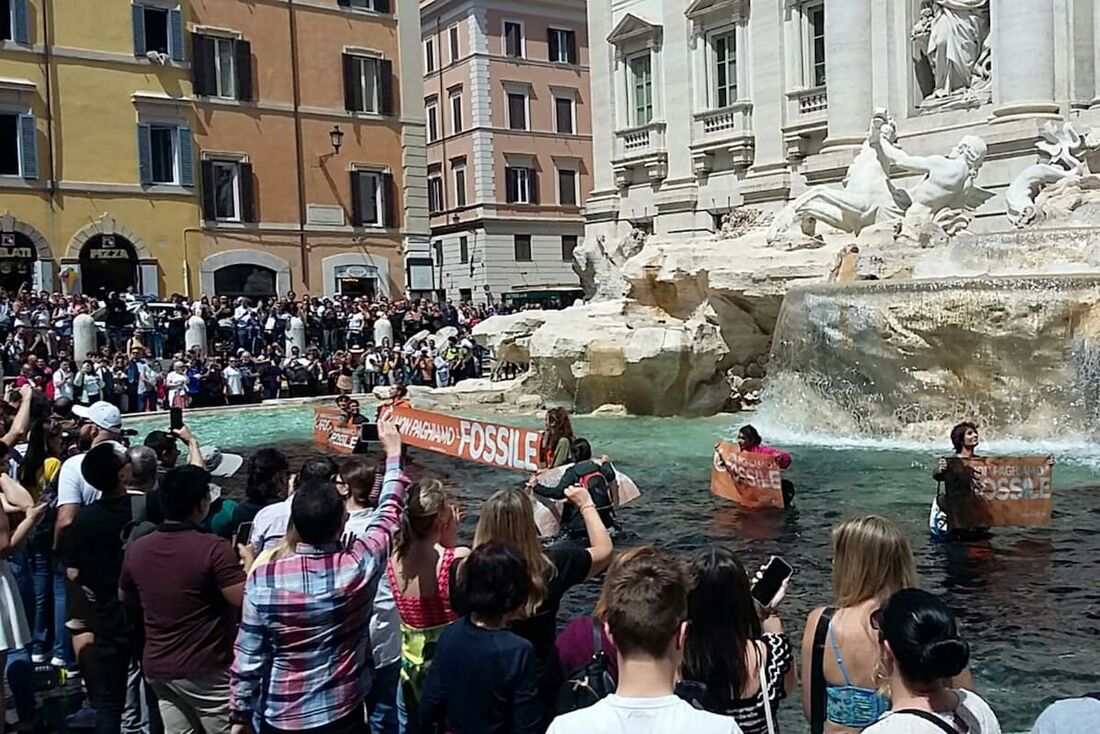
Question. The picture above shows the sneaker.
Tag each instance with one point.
(54, 661)
(37, 658)
(84, 718)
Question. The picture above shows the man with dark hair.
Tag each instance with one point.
(91, 550)
(298, 666)
(646, 618)
(596, 477)
(189, 585)
(270, 523)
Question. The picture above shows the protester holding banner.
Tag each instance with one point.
(557, 440)
(749, 440)
(955, 479)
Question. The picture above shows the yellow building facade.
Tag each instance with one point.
(98, 182)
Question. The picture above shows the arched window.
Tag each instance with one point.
(253, 281)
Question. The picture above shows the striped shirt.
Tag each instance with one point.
(302, 656)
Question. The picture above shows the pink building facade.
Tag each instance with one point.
(509, 135)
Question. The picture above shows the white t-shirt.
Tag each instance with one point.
(71, 487)
(665, 715)
(233, 380)
(973, 715)
(355, 322)
(269, 525)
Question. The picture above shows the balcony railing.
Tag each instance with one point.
(639, 142)
(808, 102)
(713, 127)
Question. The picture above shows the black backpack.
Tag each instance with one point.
(590, 682)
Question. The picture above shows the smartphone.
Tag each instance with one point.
(244, 534)
(176, 418)
(775, 573)
(370, 432)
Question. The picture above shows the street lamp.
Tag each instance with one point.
(336, 136)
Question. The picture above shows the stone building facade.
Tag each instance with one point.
(509, 134)
(717, 104)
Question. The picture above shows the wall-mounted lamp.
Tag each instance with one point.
(336, 137)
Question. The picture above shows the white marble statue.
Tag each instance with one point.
(951, 51)
(866, 197)
(946, 195)
(1061, 159)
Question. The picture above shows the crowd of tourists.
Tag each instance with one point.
(251, 351)
(339, 596)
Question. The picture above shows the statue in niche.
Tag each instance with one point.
(600, 269)
(1059, 182)
(866, 196)
(951, 53)
(946, 195)
(942, 201)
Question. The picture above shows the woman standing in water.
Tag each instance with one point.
(954, 478)
(748, 439)
(557, 440)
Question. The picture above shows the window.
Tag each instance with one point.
(517, 111)
(435, 193)
(563, 46)
(378, 6)
(563, 115)
(456, 111)
(432, 109)
(723, 48)
(7, 20)
(458, 172)
(157, 30)
(221, 67)
(640, 89)
(513, 39)
(567, 187)
(522, 185)
(522, 244)
(463, 249)
(165, 154)
(815, 27)
(429, 55)
(372, 199)
(227, 191)
(568, 245)
(18, 146)
(438, 247)
(453, 35)
(367, 85)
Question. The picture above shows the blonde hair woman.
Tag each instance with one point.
(420, 575)
(508, 517)
(840, 651)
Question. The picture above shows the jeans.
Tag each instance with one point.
(110, 693)
(47, 617)
(382, 699)
(141, 715)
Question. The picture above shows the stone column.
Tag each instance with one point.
(848, 71)
(1023, 65)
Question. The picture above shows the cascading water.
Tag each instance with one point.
(907, 359)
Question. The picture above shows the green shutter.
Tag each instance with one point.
(28, 145)
(187, 156)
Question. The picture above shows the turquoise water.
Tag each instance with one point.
(1028, 599)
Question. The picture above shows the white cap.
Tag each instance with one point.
(103, 414)
(219, 464)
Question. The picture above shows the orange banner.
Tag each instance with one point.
(505, 447)
(750, 480)
(332, 432)
(1005, 490)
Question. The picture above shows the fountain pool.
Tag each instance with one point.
(1028, 600)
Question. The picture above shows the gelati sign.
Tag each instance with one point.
(1004, 490)
(750, 480)
(505, 447)
(12, 249)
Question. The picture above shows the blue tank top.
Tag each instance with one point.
(850, 705)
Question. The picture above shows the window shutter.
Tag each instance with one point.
(356, 199)
(137, 15)
(187, 156)
(209, 207)
(244, 70)
(389, 200)
(175, 31)
(28, 146)
(533, 184)
(20, 27)
(382, 6)
(145, 154)
(202, 66)
(509, 185)
(552, 43)
(248, 192)
(351, 87)
(571, 48)
(385, 86)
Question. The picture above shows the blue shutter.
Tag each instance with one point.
(187, 156)
(20, 29)
(175, 31)
(137, 15)
(28, 145)
(145, 154)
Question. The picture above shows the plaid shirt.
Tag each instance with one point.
(303, 654)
